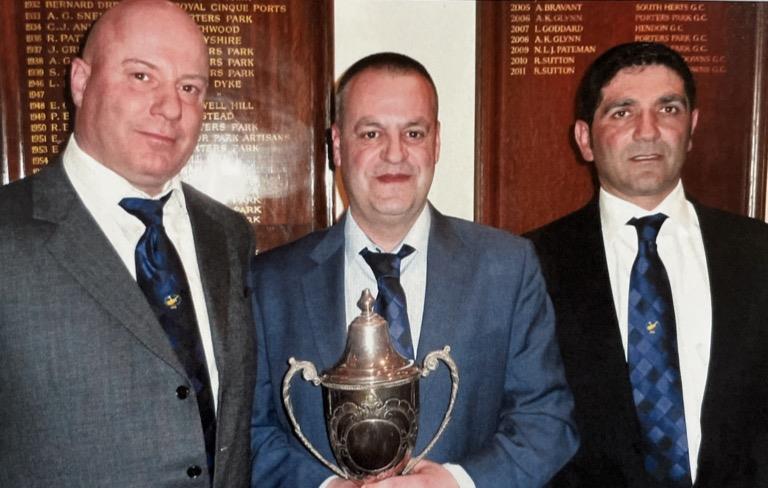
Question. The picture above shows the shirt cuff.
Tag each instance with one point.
(460, 475)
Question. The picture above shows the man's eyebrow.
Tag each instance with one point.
(372, 122)
(139, 61)
(674, 97)
(366, 122)
(619, 102)
(419, 121)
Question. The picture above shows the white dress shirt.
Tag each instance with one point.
(358, 275)
(681, 249)
(101, 190)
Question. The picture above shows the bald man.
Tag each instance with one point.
(108, 378)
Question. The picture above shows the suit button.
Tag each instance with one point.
(194, 471)
(182, 392)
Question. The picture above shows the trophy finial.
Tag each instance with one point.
(365, 304)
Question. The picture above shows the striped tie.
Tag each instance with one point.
(391, 296)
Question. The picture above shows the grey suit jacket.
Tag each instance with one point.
(485, 297)
(88, 378)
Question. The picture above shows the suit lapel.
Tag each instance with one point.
(213, 262)
(730, 328)
(446, 284)
(724, 290)
(590, 336)
(446, 289)
(323, 291)
(81, 247)
(590, 266)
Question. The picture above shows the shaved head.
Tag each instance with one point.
(118, 18)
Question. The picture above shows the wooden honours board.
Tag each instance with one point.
(531, 56)
(261, 150)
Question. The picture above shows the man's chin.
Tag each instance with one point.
(396, 211)
(155, 174)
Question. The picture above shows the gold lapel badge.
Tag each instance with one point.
(173, 301)
(651, 326)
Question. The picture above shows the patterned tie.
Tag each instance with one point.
(161, 277)
(391, 297)
(654, 367)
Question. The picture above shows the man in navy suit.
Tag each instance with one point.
(474, 288)
(636, 111)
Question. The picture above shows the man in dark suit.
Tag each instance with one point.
(693, 407)
(103, 383)
(476, 289)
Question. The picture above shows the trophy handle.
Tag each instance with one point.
(430, 364)
(309, 373)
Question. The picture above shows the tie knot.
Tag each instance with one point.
(648, 227)
(384, 263)
(150, 212)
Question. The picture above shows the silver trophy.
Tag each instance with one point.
(371, 399)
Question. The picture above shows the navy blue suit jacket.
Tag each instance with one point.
(485, 297)
(734, 413)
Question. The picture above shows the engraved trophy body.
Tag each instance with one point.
(371, 401)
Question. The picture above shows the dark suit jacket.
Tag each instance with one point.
(734, 416)
(485, 298)
(88, 378)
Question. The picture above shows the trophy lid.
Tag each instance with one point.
(369, 358)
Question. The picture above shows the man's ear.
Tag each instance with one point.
(694, 121)
(336, 144)
(79, 74)
(583, 139)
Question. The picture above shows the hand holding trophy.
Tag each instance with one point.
(371, 399)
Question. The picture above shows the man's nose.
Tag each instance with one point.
(395, 150)
(167, 103)
(647, 127)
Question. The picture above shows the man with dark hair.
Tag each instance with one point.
(392, 62)
(474, 288)
(589, 95)
(126, 345)
(660, 301)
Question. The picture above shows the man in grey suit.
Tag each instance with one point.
(475, 288)
(96, 388)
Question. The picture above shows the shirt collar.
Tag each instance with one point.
(96, 182)
(616, 212)
(417, 237)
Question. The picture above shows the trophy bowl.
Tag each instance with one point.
(371, 401)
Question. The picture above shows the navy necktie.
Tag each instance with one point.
(390, 301)
(654, 366)
(160, 275)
